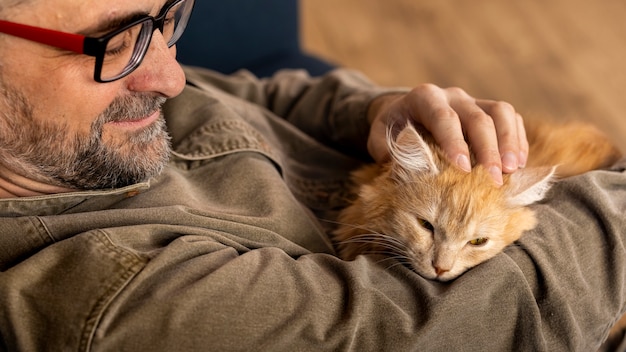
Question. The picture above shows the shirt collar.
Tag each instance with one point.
(63, 202)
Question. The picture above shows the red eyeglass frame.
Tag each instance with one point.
(62, 40)
(96, 46)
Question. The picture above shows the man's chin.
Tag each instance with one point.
(127, 159)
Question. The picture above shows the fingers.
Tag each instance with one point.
(511, 137)
(483, 137)
(493, 129)
(383, 113)
(523, 141)
(438, 116)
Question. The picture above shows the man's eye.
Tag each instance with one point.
(118, 44)
(170, 21)
(121, 42)
(116, 50)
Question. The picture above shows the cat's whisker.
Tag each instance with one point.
(383, 240)
(380, 236)
(380, 240)
(399, 263)
(370, 231)
(395, 257)
(387, 254)
(366, 237)
(388, 248)
(393, 248)
(358, 227)
(398, 260)
(398, 257)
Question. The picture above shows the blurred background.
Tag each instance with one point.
(558, 58)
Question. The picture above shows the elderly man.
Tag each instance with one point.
(149, 207)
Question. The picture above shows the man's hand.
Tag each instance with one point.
(493, 129)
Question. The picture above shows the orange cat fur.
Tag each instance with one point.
(440, 221)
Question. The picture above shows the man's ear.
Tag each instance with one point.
(527, 186)
(410, 153)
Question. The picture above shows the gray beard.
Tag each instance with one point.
(45, 152)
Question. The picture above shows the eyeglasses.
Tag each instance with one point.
(117, 53)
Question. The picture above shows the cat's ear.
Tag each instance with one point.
(527, 186)
(411, 152)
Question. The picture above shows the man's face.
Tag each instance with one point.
(59, 126)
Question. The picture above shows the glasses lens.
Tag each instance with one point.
(124, 51)
(176, 20)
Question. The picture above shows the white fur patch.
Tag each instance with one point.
(410, 151)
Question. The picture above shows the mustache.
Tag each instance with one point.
(130, 108)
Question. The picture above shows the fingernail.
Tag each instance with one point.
(463, 162)
(496, 174)
(523, 159)
(509, 162)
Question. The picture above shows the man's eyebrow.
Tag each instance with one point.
(110, 24)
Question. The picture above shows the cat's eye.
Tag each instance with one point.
(425, 224)
(478, 241)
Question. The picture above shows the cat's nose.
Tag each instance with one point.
(439, 271)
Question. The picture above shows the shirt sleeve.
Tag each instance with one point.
(559, 288)
(332, 108)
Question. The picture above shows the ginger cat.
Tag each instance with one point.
(440, 221)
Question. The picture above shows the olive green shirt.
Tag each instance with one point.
(227, 250)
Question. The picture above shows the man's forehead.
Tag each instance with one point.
(107, 18)
(78, 15)
(7, 4)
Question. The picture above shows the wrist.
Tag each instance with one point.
(380, 103)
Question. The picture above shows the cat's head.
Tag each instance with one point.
(445, 220)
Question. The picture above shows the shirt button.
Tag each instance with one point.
(132, 194)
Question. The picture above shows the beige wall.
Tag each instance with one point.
(563, 58)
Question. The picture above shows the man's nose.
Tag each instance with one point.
(159, 71)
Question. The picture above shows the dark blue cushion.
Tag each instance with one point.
(262, 36)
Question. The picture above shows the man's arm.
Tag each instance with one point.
(345, 110)
(228, 285)
(332, 108)
(558, 289)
